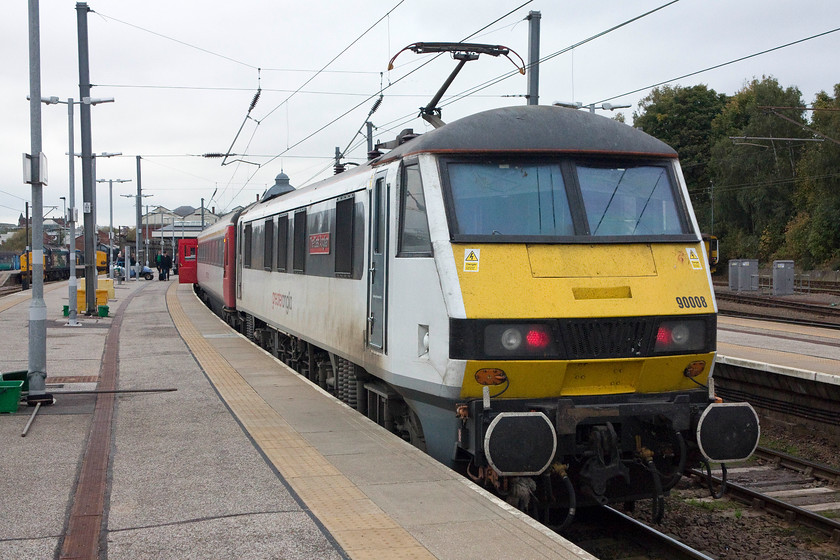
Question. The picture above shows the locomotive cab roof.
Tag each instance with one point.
(533, 129)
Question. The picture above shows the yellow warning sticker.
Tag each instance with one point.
(471, 259)
(694, 258)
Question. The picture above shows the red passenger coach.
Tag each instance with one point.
(216, 264)
(187, 249)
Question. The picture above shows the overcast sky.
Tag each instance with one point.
(184, 74)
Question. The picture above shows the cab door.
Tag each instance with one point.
(378, 264)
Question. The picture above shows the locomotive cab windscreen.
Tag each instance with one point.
(564, 200)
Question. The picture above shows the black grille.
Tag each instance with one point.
(575, 339)
(610, 338)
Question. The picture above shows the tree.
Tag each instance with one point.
(17, 242)
(753, 167)
(682, 118)
(812, 235)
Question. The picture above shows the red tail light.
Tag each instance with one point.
(663, 336)
(538, 339)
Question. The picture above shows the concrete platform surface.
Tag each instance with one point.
(805, 352)
(245, 459)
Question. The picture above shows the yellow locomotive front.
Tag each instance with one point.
(589, 326)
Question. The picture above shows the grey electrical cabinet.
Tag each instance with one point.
(743, 275)
(783, 276)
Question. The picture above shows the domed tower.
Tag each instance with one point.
(280, 187)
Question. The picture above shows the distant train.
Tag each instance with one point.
(9, 260)
(712, 252)
(56, 266)
(522, 293)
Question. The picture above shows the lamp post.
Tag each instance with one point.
(63, 200)
(111, 221)
(37, 364)
(92, 238)
(147, 235)
(138, 201)
(73, 213)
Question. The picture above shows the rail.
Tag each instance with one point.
(789, 512)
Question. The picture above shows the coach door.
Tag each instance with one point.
(378, 267)
(240, 254)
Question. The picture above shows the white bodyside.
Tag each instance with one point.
(332, 312)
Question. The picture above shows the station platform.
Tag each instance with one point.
(803, 352)
(243, 459)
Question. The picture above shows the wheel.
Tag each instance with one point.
(148, 276)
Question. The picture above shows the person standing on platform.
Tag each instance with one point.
(166, 264)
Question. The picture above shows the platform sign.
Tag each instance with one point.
(471, 259)
(42, 168)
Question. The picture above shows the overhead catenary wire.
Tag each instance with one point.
(336, 57)
(779, 182)
(184, 43)
(809, 129)
(12, 194)
(285, 101)
(390, 85)
(253, 104)
(489, 83)
(300, 89)
(240, 62)
(472, 91)
(448, 100)
(373, 109)
(505, 76)
(721, 65)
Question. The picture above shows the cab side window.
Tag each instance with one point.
(414, 239)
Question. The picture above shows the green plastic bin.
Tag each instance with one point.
(10, 395)
(20, 375)
(103, 310)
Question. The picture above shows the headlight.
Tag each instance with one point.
(519, 340)
(682, 335)
(511, 339)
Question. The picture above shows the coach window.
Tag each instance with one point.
(282, 242)
(246, 249)
(299, 237)
(268, 248)
(344, 210)
(414, 227)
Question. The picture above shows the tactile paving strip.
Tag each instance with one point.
(362, 529)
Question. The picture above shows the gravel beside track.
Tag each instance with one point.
(728, 529)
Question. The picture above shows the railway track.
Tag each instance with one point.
(777, 309)
(6, 290)
(764, 300)
(795, 489)
(608, 533)
(11, 288)
(821, 287)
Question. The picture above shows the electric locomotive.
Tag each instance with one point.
(524, 293)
